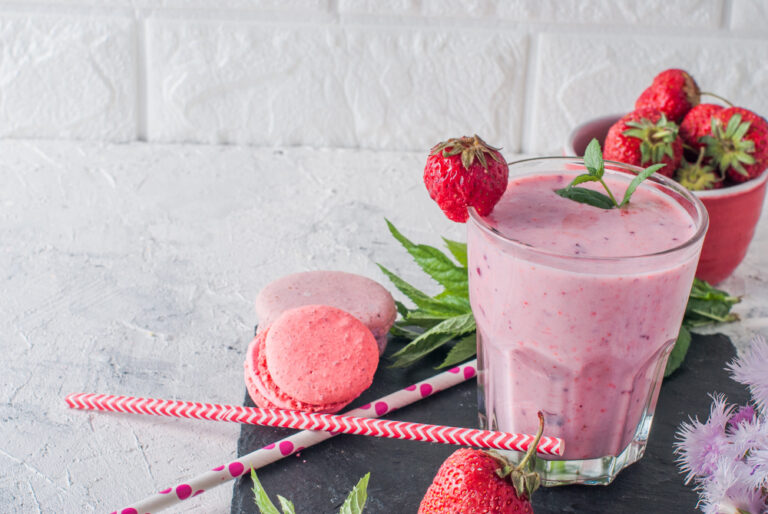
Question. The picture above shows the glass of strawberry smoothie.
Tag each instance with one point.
(577, 310)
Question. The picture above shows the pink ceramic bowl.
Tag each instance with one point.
(733, 211)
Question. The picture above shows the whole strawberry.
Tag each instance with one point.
(738, 144)
(474, 481)
(644, 137)
(697, 124)
(673, 92)
(464, 172)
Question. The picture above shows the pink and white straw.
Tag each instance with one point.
(294, 443)
(314, 421)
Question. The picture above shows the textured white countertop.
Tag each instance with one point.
(132, 269)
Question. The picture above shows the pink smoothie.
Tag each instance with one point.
(563, 328)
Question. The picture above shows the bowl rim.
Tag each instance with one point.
(723, 192)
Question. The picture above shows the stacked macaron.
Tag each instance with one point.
(365, 299)
(314, 358)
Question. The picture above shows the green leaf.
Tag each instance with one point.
(459, 250)
(583, 178)
(356, 499)
(587, 196)
(401, 309)
(460, 301)
(593, 159)
(434, 338)
(434, 262)
(261, 498)
(421, 299)
(464, 348)
(286, 505)
(420, 318)
(647, 172)
(399, 330)
(677, 355)
(708, 305)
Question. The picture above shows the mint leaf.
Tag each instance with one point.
(587, 196)
(593, 159)
(708, 305)
(400, 330)
(458, 300)
(433, 338)
(356, 499)
(261, 498)
(419, 318)
(401, 309)
(431, 305)
(647, 172)
(434, 262)
(286, 505)
(464, 348)
(677, 355)
(583, 178)
(459, 250)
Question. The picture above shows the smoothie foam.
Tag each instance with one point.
(564, 325)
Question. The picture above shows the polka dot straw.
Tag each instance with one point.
(296, 442)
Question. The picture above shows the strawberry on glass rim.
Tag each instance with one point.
(465, 172)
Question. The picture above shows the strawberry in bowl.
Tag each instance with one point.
(725, 156)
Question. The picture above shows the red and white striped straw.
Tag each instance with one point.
(315, 421)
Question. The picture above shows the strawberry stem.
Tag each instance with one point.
(713, 95)
(532, 449)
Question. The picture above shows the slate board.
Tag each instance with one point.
(319, 478)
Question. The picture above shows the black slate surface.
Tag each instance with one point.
(318, 479)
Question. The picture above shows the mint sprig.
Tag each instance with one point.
(593, 161)
(354, 503)
(438, 320)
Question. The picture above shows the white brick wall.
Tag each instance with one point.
(360, 73)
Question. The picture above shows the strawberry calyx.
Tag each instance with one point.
(698, 176)
(656, 138)
(728, 146)
(523, 477)
(470, 148)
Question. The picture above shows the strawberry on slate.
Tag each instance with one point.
(474, 481)
(644, 137)
(673, 92)
(738, 144)
(464, 172)
(697, 124)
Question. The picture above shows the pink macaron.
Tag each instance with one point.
(314, 358)
(365, 299)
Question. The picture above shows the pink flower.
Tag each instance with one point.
(726, 491)
(701, 445)
(757, 465)
(751, 369)
(748, 436)
(746, 413)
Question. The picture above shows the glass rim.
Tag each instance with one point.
(661, 179)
